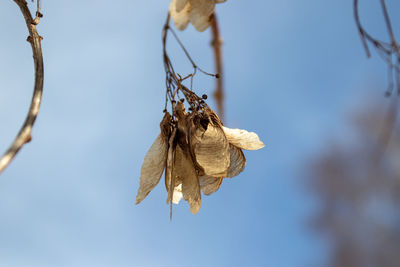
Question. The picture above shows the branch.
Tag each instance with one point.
(389, 51)
(216, 43)
(34, 39)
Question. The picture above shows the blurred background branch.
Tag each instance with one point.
(359, 195)
(216, 43)
(389, 51)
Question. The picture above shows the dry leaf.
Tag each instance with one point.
(243, 139)
(209, 184)
(185, 171)
(179, 4)
(181, 18)
(177, 196)
(152, 167)
(211, 150)
(237, 161)
(198, 12)
(169, 178)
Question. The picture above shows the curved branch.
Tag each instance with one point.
(34, 39)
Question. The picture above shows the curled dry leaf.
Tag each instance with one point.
(198, 12)
(243, 139)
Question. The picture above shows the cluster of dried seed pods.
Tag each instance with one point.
(197, 152)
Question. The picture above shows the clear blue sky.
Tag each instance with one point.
(294, 69)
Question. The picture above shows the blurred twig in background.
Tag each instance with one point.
(389, 51)
(217, 45)
(34, 39)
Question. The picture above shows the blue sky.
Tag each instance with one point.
(294, 69)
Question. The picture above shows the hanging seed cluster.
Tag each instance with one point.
(193, 150)
(196, 152)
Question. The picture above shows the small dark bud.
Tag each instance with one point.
(217, 76)
(165, 110)
(204, 96)
(182, 100)
(40, 15)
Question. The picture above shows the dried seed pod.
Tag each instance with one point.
(180, 4)
(209, 184)
(155, 160)
(243, 139)
(198, 12)
(181, 15)
(237, 161)
(184, 170)
(169, 178)
(209, 147)
(152, 167)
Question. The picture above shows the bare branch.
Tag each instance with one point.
(217, 45)
(34, 39)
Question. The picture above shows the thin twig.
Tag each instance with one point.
(386, 50)
(34, 39)
(188, 55)
(174, 81)
(216, 43)
(360, 28)
(387, 20)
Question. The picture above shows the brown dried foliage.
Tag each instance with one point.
(194, 149)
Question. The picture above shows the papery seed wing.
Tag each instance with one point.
(185, 171)
(169, 178)
(180, 4)
(152, 167)
(243, 139)
(209, 184)
(180, 18)
(211, 150)
(165, 125)
(237, 161)
(200, 13)
(177, 194)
